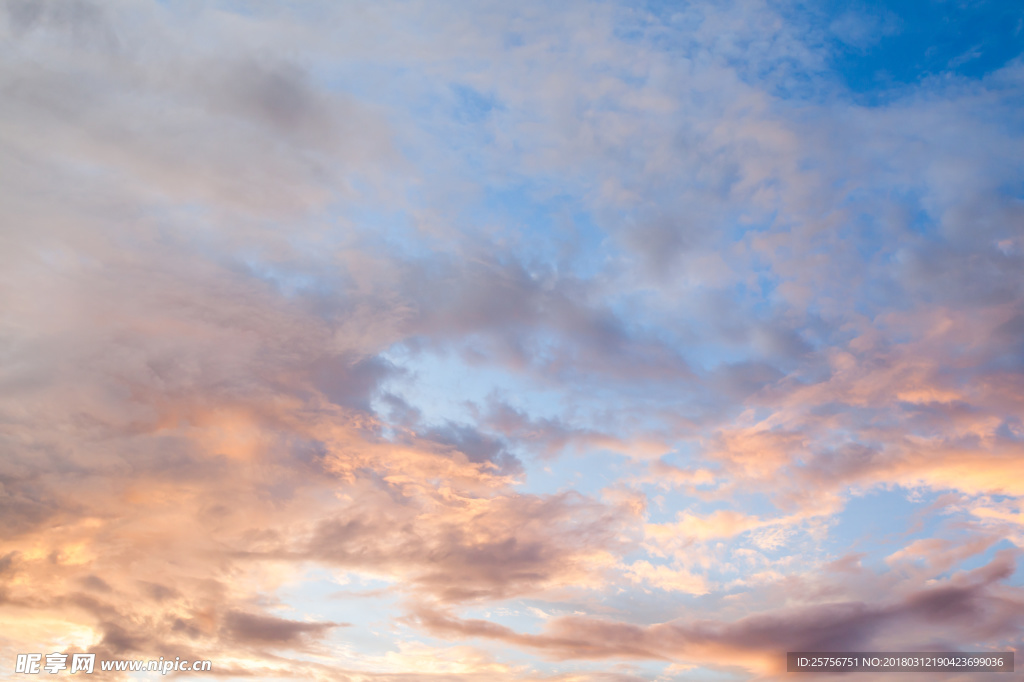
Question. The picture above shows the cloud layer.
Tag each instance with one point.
(605, 342)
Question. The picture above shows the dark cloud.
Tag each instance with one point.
(23, 14)
(158, 592)
(660, 241)
(969, 606)
(744, 378)
(118, 640)
(96, 583)
(542, 322)
(257, 629)
(511, 546)
(475, 445)
(279, 94)
(400, 411)
(546, 435)
(85, 22)
(27, 508)
(847, 463)
(352, 382)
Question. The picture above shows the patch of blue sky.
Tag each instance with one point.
(446, 108)
(984, 558)
(544, 224)
(457, 130)
(537, 211)
(566, 239)
(1012, 189)
(358, 601)
(510, 40)
(445, 387)
(643, 604)
(747, 221)
(1017, 577)
(472, 105)
(637, 24)
(685, 453)
(636, 406)
(757, 293)
(319, 586)
(587, 473)
(588, 253)
(663, 506)
(882, 218)
(426, 112)
(512, 613)
(359, 78)
(880, 522)
(920, 222)
(864, 233)
(679, 29)
(638, 552)
(873, 49)
(304, 268)
(391, 231)
(667, 24)
(881, 46)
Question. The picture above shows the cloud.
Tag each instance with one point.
(476, 446)
(269, 631)
(677, 267)
(722, 523)
(458, 549)
(967, 603)
(862, 28)
(666, 578)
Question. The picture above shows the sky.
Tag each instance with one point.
(510, 341)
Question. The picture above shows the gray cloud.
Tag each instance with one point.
(258, 629)
(970, 607)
